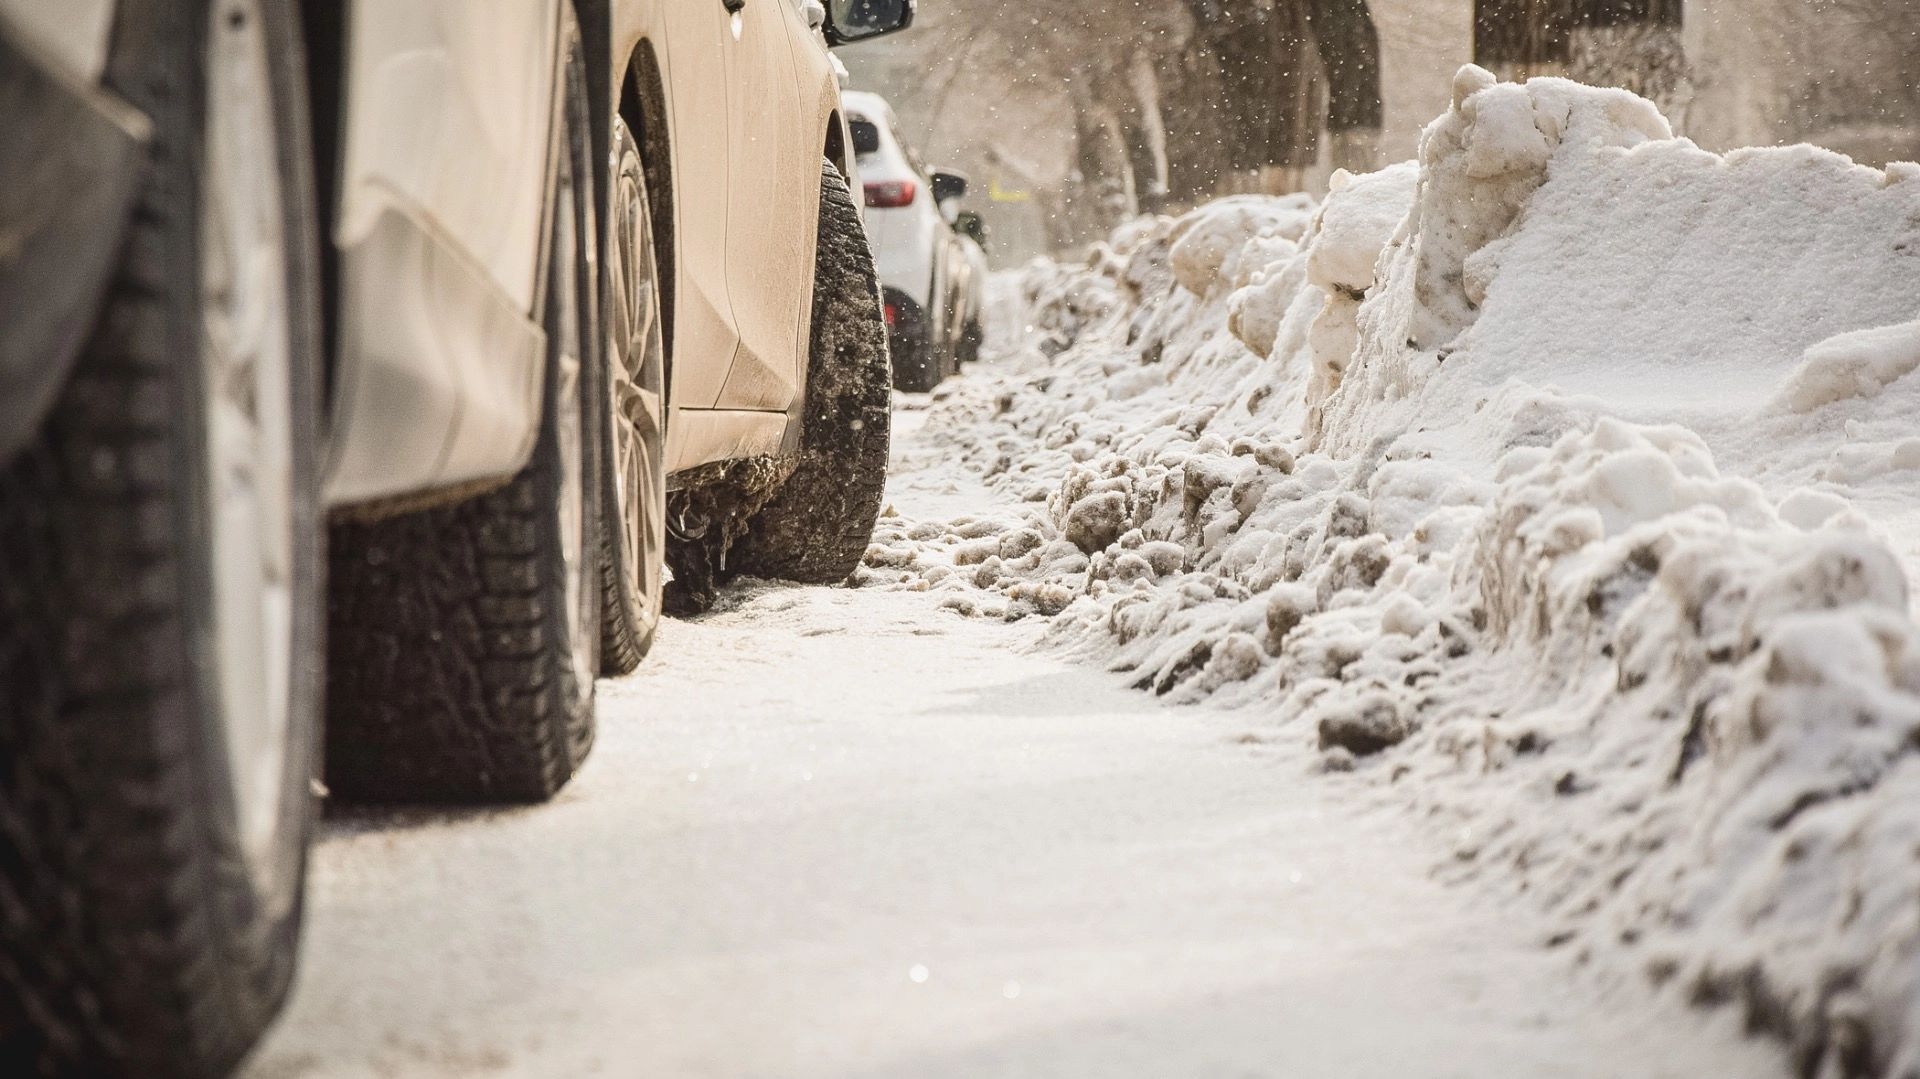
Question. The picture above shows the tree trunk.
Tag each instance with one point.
(1349, 48)
(1146, 135)
(1270, 91)
(1103, 196)
(1517, 39)
(1198, 134)
(1634, 44)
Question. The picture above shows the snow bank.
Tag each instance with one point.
(1554, 484)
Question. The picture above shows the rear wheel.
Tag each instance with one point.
(634, 519)
(159, 614)
(466, 639)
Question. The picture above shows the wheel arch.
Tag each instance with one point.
(836, 145)
(595, 19)
(323, 34)
(643, 105)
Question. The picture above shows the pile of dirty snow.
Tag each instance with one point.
(1559, 484)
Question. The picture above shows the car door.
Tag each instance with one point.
(700, 59)
(773, 198)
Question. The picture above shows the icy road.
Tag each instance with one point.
(833, 832)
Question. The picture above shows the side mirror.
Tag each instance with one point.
(971, 225)
(948, 185)
(849, 21)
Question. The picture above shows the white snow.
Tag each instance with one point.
(1559, 485)
(1852, 365)
(842, 832)
(1539, 514)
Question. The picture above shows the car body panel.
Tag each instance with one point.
(69, 173)
(74, 34)
(691, 42)
(697, 436)
(973, 292)
(743, 250)
(434, 357)
(769, 216)
(448, 119)
(450, 106)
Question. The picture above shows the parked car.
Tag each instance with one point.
(466, 282)
(933, 304)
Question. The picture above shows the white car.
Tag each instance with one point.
(363, 346)
(930, 283)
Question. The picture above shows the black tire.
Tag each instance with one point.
(971, 340)
(915, 369)
(634, 514)
(949, 338)
(816, 528)
(142, 932)
(464, 649)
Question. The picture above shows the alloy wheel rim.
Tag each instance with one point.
(246, 340)
(635, 355)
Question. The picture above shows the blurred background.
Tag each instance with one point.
(1070, 115)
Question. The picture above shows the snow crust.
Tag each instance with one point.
(1559, 483)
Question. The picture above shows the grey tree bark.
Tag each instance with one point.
(1633, 44)
(1349, 48)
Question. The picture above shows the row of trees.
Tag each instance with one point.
(1630, 43)
(1174, 101)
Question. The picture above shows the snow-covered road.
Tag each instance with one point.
(832, 832)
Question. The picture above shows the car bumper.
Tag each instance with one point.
(70, 167)
(902, 252)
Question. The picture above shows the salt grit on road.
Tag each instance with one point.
(833, 832)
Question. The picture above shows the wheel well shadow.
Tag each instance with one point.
(643, 105)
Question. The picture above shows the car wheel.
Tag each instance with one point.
(971, 341)
(634, 517)
(817, 525)
(466, 638)
(159, 610)
(949, 337)
(911, 346)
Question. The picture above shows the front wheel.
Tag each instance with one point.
(816, 528)
(634, 516)
(159, 605)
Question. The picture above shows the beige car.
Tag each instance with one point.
(406, 326)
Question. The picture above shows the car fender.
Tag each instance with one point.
(449, 113)
(71, 159)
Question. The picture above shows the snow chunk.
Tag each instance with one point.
(1206, 238)
(1856, 364)
(1095, 522)
(1482, 161)
(1359, 218)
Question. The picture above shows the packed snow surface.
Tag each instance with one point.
(831, 833)
(1560, 484)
